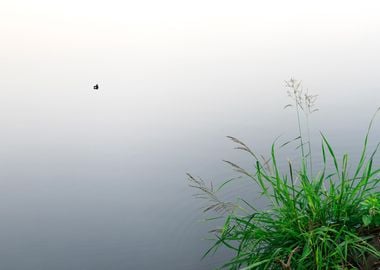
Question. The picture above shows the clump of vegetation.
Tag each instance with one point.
(326, 220)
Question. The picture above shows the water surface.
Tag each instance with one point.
(96, 179)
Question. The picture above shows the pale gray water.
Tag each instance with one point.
(96, 180)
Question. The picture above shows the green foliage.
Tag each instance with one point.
(371, 210)
(325, 221)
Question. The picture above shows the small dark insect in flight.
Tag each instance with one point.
(96, 87)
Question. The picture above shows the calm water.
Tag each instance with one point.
(96, 179)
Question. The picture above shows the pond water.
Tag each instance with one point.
(97, 179)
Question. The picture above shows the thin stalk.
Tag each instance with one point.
(300, 134)
(310, 154)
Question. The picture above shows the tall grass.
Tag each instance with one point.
(330, 220)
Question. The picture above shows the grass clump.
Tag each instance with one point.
(326, 220)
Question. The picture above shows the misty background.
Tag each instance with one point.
(96, 179)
